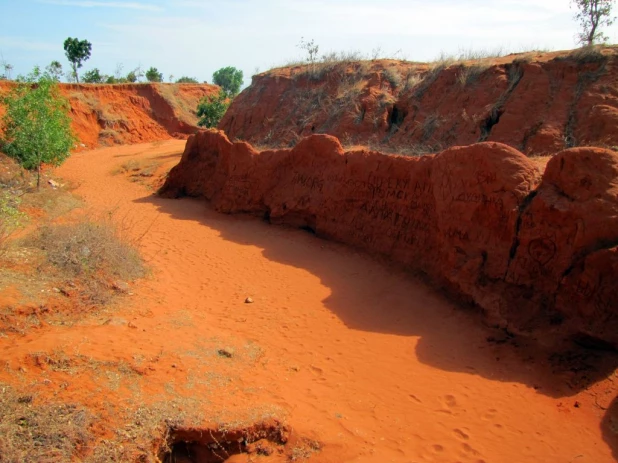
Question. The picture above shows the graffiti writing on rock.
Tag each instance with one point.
(542, 250)
(311, 182)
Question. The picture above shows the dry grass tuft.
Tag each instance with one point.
(138, 170)
(587, 55)
(87, 248)
(391, 74)
(109, 137)
(412, 80)
(10, 216)
(469, 74)
(304, 450)
(431, 76)
(93, 253)
(144, 436)
(41, 433)
(13, 181)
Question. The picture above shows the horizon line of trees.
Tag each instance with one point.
(95, 76)
(77, 52)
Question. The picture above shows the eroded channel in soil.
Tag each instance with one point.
(362, 361)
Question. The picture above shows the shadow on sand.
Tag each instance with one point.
(452, 337)
(609, 426)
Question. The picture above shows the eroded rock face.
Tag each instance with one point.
(104, 114)
(535, 252)
(537, 103)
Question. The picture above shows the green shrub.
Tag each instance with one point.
(153, 75)
(211, 109)
(187, 80)
(93, 76)
(37, 127)
(131, 77)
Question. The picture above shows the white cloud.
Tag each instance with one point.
(104, 4)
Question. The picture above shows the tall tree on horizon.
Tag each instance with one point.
(592, 15)
(77, 51)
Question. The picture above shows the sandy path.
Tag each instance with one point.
(353, 353)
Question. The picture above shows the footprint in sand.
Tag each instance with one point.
(416, 399)
(460, 434)
(490, 415)
(450, 401)
(469, 450)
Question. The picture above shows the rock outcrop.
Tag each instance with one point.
(538, 103)
(537, 252)
(103, 115)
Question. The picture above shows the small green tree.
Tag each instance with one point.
(229, 79)
(54, 69)
(187, 80)
(131, 77)
(153, 75)
(77, 51)
(592, 15)
(212, 108)
(36, 126)
(94, 76)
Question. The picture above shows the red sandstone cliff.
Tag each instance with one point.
(537, 252)
(132, 113)
(536, 103)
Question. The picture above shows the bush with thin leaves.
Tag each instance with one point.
(187, 80)
(211, 109)
(94, 76)
(36, 125)
(592, 15)
(153, 75)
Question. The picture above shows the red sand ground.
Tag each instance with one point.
(350, 351)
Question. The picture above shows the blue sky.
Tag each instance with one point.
(195, 38)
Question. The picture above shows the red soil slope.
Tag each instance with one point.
(536, 103)
(132, 113)
(538, 253)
